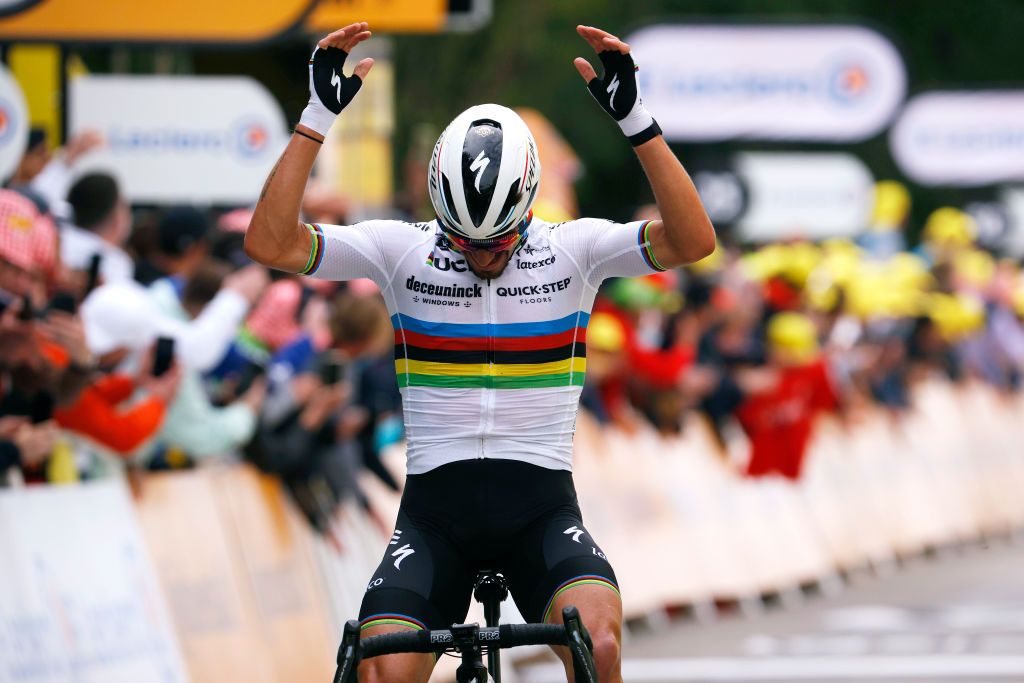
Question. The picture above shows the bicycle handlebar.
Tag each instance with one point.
(469, 639)
(441, 640)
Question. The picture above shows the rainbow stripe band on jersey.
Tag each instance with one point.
(550, 353)
(587, 580)
(645, 247)
(316, 249)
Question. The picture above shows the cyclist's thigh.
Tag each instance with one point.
(555, 554)
(422, 581)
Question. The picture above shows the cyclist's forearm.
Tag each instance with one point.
(275, 236)
(685, 234)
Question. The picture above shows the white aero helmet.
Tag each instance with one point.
(484, 174)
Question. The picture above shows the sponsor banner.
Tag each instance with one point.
(395, 15)
(715, 82)
(181, 139)
(79, 600)
(961, 138)
(131, 20)
(13, 124)
(812, 195)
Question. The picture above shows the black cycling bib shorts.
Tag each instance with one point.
(515, 518)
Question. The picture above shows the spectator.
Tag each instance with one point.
(778, 413)
(28, 249)
(308, 427)
(103, 415)
(101, 227)
(45, 177)
(181, 244)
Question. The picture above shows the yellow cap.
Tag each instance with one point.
(949, 227)
(605, 333)
(892, 204)
(793, 334)
(956, 315)
(798, 261)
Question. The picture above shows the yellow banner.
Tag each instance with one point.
(180, 21)
(37, 68)
(411, 16)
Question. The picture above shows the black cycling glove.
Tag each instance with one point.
(618, 93)
(330, 90)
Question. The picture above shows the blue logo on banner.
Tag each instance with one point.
(247, 139)
(849, 82)
(251, 138)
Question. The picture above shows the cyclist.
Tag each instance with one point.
(489, 306)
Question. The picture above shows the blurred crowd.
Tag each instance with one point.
(760, 341)
(147, 340)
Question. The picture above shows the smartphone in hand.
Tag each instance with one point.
(92, 277)
(163, 356)
(331, 371)
(64, 302)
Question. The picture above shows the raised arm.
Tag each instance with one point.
(275, 236)
(684, 234)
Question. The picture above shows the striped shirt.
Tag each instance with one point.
(487, 368)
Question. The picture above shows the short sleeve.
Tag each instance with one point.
(604, 249)
(364, 250)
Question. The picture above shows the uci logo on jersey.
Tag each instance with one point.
(444, 263)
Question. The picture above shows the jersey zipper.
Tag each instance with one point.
(487, 398)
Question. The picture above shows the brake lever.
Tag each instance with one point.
(348, 653)
(580, 645)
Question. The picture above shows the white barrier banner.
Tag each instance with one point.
(181, 139)
(961, 138)
(78, 598)
(813, 195)
(13, 123)
(714, 82)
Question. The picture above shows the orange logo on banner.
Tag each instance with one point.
(382, 15)
(181, 20)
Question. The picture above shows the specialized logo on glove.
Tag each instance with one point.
(618, 94)
(332, 87)
(616, 91)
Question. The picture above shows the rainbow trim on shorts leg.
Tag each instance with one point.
(645, 247)
(391, 619)
(316, 250)
(585, 580)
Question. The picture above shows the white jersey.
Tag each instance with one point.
(487, 368)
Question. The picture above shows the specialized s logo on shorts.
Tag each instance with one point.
(401, 553)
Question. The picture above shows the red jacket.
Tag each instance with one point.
(778, 421)
(96, 415)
